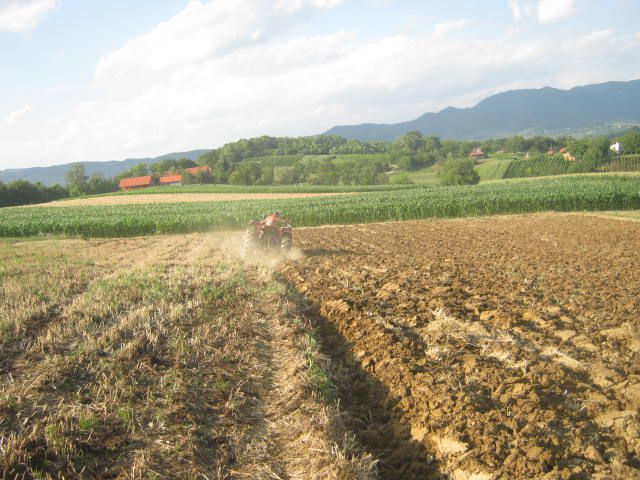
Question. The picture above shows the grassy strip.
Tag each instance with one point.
(492, 169)
(566, 193)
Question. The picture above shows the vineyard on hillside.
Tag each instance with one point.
(546, 165)
(276, 161)
(568, 193)
(624, 163)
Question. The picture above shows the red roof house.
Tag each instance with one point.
(171, 180)
(477, 153)
(135, 182)
(195, 170)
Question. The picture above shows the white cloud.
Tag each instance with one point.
(514, 5)
(229, 69)
(553, 10)
(205, 30)
(14, 116)
(442, 29)
(545, 11)
(23, 15)
(595, 39)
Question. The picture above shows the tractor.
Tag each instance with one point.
(260, 237)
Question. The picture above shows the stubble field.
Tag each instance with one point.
(163, 357)
(155, 198)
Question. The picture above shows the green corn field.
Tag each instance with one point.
(564, 193)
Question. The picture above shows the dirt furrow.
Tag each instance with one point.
(507, 346)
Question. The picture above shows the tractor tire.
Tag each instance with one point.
(286, 242)
(250, 243)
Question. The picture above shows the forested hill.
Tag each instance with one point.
(56, 173)
(590, 109)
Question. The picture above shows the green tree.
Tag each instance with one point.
(401, 178)
(76, 180)
(284, 176)
(407, 150)
(97, 183)
(266, 175)
(458, 172)
(187, 178)
(630, 142)
(515, 144)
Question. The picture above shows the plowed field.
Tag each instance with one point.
(489, 348)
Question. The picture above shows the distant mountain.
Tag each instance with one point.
(546, 111)
(55, 173)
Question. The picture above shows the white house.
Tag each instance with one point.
(616, 147)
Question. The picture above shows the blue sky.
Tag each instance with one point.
(96, 80)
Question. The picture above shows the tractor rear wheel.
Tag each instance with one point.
(250, 243)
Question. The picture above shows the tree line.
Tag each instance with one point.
(240, 162)
(22, 192)
(414, 150)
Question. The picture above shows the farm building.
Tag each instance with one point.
(195, 170)
(616, 148)
(477, 153)
(171, 180)
(132, 183)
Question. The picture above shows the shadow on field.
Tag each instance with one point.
(368, 408)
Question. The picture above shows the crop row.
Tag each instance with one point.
(566, 193)
(538, 167)
(279, 160)
(623, 163)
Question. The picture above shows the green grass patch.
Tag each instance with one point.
(424, 176)
(493, 169)
(631, 214)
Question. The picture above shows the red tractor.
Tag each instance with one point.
(272, 234)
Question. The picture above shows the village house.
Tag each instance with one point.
(171, 180)
(477, 154)
(616, 148)
(132, 183)
(194, 171)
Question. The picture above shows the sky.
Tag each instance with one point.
(91, 80)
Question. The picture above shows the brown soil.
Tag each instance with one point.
(179, 197)
(489, 348)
